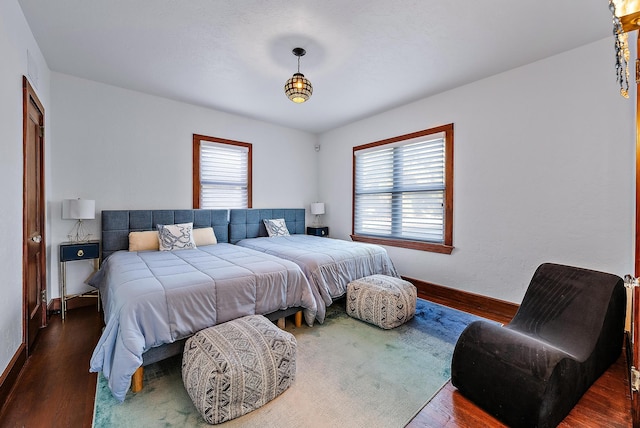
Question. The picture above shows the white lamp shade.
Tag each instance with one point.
(317, 208)
(79, 209)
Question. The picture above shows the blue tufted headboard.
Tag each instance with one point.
(247, 223)
(116, 224)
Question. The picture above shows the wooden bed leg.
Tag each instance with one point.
(136, 380)
(281, 323)
(298, 319)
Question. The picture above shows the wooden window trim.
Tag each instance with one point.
(196, 166)
(405, 243)
(447, 246)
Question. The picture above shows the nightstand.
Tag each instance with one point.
(318, 230)
(73, 251)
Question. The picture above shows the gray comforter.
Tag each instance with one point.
(329, 264)
(157, 297)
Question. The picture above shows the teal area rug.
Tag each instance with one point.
(349, 374)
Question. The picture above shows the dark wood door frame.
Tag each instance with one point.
(31, 99)
(635, 310)
(10, 375)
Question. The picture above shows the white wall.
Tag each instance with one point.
(544, 171)
(15, 40)
(544, 167)
(129, 150)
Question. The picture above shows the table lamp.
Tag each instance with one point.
(317, 209)
(79, 209)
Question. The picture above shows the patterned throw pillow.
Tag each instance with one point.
(176, 236)
(276, 227)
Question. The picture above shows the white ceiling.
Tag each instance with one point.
(363, 56)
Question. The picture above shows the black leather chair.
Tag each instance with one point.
(530, 373)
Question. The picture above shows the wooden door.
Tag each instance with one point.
(634, 341)
(33, 252)
(635, 399)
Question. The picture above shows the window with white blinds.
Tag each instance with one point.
(401, 188)
(224, 174)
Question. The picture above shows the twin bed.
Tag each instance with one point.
(153, 300)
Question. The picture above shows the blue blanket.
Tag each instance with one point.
(155, 297)
(329, 264)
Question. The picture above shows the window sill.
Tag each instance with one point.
(413, 245)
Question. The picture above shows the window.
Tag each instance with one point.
(221, 173)
(403, 191)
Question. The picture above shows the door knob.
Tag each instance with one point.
(37, 238)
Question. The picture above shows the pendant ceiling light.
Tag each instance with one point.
(298, 88)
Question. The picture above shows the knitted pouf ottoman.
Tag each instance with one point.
(236, 367)
(381, 300)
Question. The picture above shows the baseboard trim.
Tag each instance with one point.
(54, 305)
(488, 307)
(76, 302)
(11, 373)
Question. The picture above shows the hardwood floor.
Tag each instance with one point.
(55, 389)
(606, 404)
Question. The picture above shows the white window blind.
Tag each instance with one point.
(224, 175)
(400, 190)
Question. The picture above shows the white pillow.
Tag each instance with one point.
(175, 236)
(204, 236)
(276, 227)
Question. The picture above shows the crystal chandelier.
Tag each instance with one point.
(622, 52)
